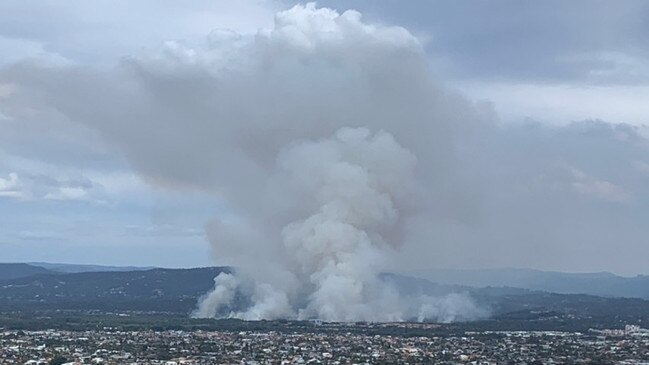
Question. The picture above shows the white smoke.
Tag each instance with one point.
(324, 137)
(325, 214)
(357, 186)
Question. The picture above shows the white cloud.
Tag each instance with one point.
(36, 187)
(35, 180)
(601, 189)
(9, 186)
(562, 104)
(164, 231)
(83, 32)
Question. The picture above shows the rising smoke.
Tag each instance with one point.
(333, 206)
(232, 115)
(326, 138)
(356, 186)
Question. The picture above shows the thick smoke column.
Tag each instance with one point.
(357, 181)
(326, 141)
(356, 185)
(250, 121)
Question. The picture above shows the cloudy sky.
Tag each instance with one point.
(128, 129)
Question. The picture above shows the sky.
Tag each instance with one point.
(129, 130)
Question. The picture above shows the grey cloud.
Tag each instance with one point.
(77, 31)
(565, 198)
(24, 123)
(550, 41)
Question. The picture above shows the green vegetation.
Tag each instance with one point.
(163, 299)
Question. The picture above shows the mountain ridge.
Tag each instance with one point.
(599, 284)
(19, 270)
(179, 290)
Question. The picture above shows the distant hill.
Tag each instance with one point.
(599, 284)
(504, 302)
(21, 270)
(76, 268)
(178, 290)
(14, 271)
(161, 290)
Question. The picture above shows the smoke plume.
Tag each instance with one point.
(332, 207)
(325, 137)
(355, 186)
